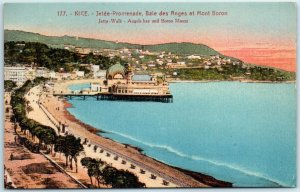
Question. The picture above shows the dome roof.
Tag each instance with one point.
(114, 70)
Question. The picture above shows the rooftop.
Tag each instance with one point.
(141, 78)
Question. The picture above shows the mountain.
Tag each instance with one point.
(15, 35)
(183, 48)
(55, 41)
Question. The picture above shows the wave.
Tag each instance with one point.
(198, 158)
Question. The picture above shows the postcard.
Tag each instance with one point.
(149, 95)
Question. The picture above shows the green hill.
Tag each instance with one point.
(54, 41)
(183, 48)
(15, 35)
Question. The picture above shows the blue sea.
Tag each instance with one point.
(244, 133)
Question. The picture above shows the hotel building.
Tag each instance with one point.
(15, 74)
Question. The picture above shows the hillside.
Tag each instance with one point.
(54, 41)
(14, 35)
(183, 48)
(54, 59)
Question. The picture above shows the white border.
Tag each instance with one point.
(151, 190)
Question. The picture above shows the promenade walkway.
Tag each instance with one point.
(25, 169)
(147, 175)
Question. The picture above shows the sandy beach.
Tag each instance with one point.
(62, 85)
(51, 111)
(130, 155)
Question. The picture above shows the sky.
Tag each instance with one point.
(260, 33)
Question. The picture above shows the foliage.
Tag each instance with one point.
(9, 85)
(45, 134)
(52, 58)
(120, 178)
(109, 175)
(70, 146)
(230, 72)
(95, 168)
(179, 48)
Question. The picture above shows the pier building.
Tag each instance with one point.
(121, 83)
(120, 80)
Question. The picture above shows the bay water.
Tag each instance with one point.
(244, 133)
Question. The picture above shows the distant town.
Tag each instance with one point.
(163, 64)
(139, 60)
(147, 95)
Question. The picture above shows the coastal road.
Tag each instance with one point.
(37, 113)
(42, 115)
(26, 169)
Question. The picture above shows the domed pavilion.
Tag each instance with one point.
(122, 83)
(116, 71)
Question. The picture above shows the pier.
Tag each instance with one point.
(118, 97)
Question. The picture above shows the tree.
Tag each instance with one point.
(37, 132)
(75, 149)
(23, 125)
(9, 85)
(70, 146)
(98, 171)
(120, 178)
(48, 137)
(59, 144)
(95, 168)
(109, 175)
(88, 163)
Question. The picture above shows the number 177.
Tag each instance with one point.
(61, 13)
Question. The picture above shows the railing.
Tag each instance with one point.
(146, 167)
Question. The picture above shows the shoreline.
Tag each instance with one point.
(206, 179)
(71, 117)
(66, 83)
(126, 153)
(200, 177)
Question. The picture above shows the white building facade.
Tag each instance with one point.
(15, 74)
(42, 72)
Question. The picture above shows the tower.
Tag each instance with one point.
(129, 75)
